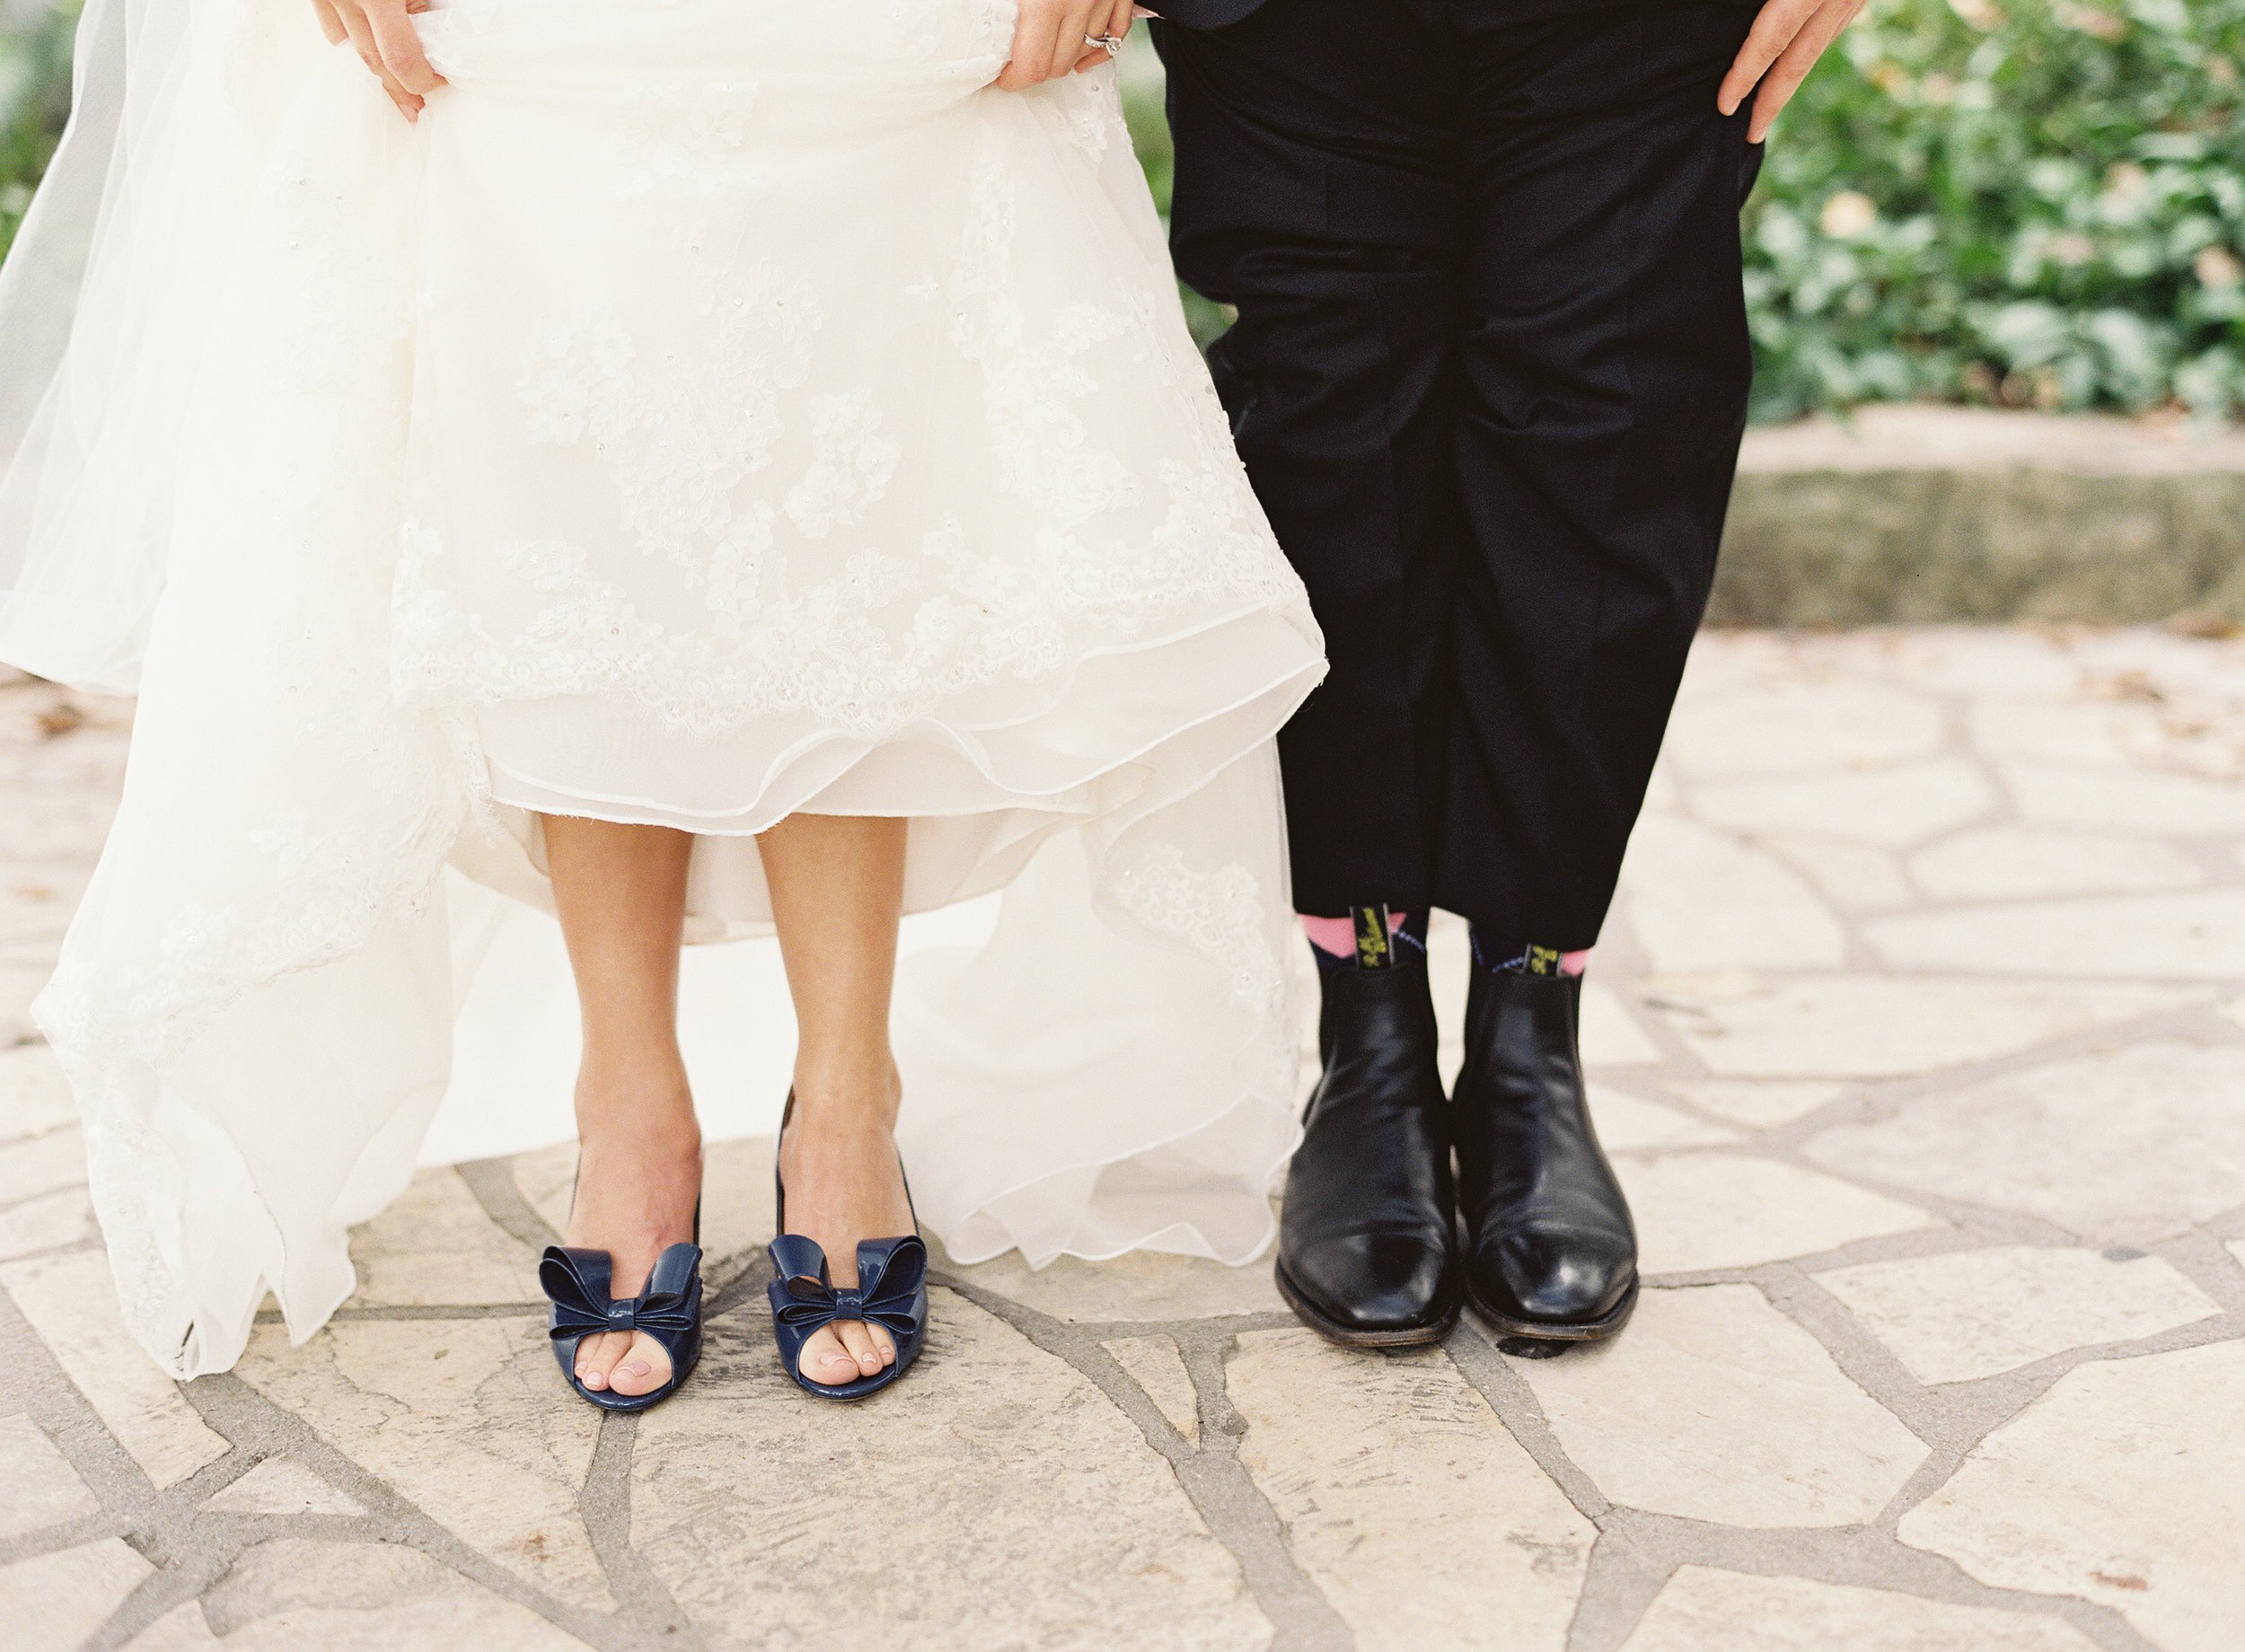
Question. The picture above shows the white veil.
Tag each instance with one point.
(100, 329)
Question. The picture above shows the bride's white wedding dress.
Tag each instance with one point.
(713, 410)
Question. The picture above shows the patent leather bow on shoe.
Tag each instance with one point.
(1366, 1255)
(891, 1292)
(1551, 1252)
(578, 1283)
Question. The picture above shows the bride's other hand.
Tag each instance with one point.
(381, 32)
(1049, 39)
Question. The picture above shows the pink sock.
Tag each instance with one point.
(1336, 938)
(1337, 935)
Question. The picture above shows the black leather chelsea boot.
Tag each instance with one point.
(1551, 1252)
(1366, 1249)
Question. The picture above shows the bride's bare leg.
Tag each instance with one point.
(837, 895)
(620, 891)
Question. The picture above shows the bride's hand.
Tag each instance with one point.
(1049, 40)
(379, 32)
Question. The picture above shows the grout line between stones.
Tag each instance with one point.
(232, 1407)
(493, 1183)
(603, 1504)
(1213, 1478)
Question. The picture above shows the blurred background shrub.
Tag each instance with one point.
(2026, 202)
(34, 99)
(2029, 203)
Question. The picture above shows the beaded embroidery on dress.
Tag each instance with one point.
(713, 410)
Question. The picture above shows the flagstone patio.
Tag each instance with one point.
(1919, 1038)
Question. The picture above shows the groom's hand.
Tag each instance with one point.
(380, 32)
(1049, 39)
(1786, 41)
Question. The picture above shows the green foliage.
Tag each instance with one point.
(34, 100)
(2026, 202)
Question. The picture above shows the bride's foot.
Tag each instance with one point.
(838, 1161)
(639, 1181)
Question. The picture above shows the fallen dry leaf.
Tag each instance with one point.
(2127, 685)
(58, 719)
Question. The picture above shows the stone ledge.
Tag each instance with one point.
(1929, 513)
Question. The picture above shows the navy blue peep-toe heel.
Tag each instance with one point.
(892, 1291)
(576, 1282)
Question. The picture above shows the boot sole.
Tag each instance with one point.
(1547, 1330)
(1347, 1336)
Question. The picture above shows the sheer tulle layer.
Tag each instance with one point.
(712, 411)
(1125, 733)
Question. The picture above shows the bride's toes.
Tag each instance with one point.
(826, 1360)
(857, 1337)
(643, 1368)
(596, 1359)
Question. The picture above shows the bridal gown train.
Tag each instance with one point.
(713, 410)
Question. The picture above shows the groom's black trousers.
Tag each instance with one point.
(1489, 376)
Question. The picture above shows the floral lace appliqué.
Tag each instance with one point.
(854, 461)
(678, 433)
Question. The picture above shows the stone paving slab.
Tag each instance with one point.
(1919, 1038)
